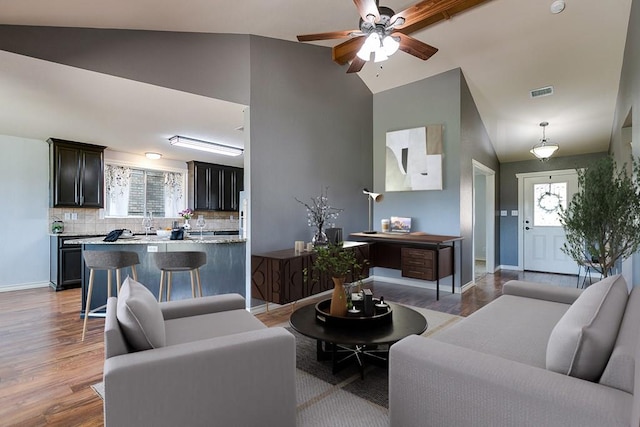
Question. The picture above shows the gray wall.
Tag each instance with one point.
(629, 102)
(509, 196)
(442, 99)
(310, 129)
(475, 145)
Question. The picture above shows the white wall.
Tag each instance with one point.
(24, 201)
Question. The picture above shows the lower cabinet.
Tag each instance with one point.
(279, 277)
(65, 265)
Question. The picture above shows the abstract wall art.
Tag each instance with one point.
(414, 159)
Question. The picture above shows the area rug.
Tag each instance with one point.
(343, 399)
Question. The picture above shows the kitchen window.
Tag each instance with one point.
(131, 191)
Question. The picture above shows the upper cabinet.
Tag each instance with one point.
(77, 174)
(214, 187)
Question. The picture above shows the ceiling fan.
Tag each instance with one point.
(382, 31)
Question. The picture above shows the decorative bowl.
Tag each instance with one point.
(163, 233)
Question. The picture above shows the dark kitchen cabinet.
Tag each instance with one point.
(77, 174)
(214, 187)
(65, 266)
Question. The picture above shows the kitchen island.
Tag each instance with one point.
(223, 273)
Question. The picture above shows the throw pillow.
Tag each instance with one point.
(140, 317)
(581, 342)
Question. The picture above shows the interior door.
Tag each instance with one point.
(542, 232)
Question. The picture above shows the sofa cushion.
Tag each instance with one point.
(582, 341)
(140, 317)
(511, 327)
(205, 326)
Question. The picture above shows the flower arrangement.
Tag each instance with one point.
(319, 212)
(186, 213)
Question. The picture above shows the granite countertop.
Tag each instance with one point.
(153, 239)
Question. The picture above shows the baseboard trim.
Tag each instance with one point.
(24, 286)
(508, 267)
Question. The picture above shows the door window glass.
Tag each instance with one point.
(547, 200)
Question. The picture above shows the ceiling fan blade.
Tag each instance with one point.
(415, 47)
(346, 51)
(328, 36)
(428, 12)
(368, 8)
(356, 65)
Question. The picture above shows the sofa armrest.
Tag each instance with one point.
(432, 383)
(204, 305)
(541, 291)
(245, 379)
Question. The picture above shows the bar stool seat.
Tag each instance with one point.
(169, 262)
(106, 260)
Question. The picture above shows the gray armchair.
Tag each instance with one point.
(218, 366)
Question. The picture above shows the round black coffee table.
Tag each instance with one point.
(345, 344)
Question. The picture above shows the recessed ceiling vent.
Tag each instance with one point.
(543, 91)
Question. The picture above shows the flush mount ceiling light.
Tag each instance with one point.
(557, 6)
(211, 147)
(544, 149)
(152, 156)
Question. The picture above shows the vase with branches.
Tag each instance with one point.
(602, 221)
(320, 215)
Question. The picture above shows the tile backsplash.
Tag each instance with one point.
(89, 221)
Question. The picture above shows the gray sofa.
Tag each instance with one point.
(197, 362)
(539, 355)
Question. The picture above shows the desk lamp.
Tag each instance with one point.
(377, 197)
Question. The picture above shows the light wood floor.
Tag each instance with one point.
(46, 371)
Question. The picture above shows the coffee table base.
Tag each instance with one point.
(342, 356)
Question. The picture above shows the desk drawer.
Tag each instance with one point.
(418, 254)
(418, 273)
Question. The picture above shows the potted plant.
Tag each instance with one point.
(602, 221)
(338, 263)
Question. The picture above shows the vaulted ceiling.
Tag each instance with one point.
(505, 48)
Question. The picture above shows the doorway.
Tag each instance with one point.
(541, 196)
(484, 196)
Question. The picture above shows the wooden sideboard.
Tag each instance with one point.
(417, 255)
(278, 276)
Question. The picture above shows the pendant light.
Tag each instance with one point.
(544, 149)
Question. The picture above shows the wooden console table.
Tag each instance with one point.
(278, 276)
(418, 255)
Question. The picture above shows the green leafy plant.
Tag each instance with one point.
(336, 261)
(602, 221)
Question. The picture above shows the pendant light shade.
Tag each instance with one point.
(544, 149)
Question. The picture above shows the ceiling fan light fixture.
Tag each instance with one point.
(370, 45)
(380, 55)
(544, 149)
(390, 45)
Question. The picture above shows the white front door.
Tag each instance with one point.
(543, 235)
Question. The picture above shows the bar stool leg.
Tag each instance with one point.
(134, 272)
(109, 283)
(118, 280)
(88, 304)
(198, 279)
(161, 286)
(168, 286)
(193, 285)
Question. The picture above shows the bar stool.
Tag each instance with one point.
(169, 262)
(106, 260)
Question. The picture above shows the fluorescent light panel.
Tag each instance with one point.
(211, 147)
